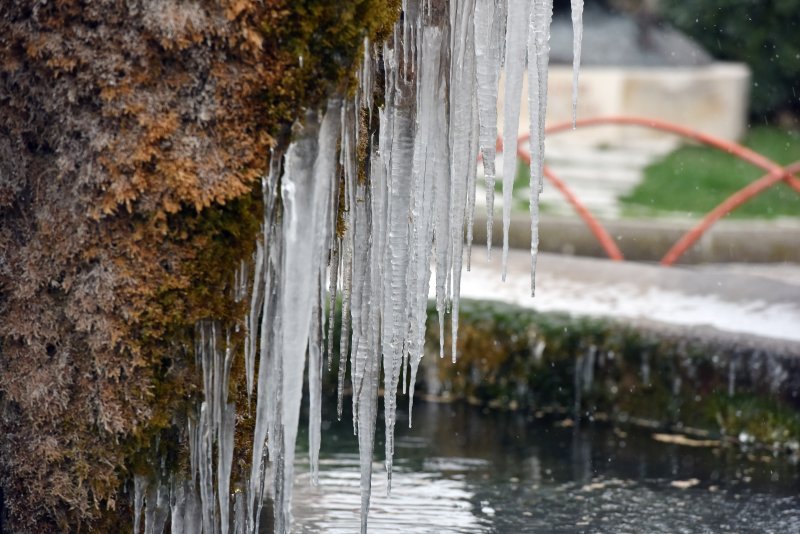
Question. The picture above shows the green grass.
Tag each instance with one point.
(694, 179)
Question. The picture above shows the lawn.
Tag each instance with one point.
(694, 179)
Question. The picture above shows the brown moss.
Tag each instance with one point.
(130, 139)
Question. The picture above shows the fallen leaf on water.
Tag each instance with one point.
(679, 439)
(684, 484)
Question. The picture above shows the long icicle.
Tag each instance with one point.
(462, 88)
(324, 173)
(538, 59)
(516, 38)
(577, 38)
(429, 159)
(395, 292)
(490, 30)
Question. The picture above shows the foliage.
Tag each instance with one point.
(694, 179)
(761, 33)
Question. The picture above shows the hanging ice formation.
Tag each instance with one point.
(360, 204)
(577, 38)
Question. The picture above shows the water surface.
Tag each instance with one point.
(465, 469)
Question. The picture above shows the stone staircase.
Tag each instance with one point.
(598, 176)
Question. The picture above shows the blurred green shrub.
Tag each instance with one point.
(765, 34)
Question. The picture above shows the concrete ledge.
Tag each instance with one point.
(649, 239)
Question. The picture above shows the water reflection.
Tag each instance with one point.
(463, 469)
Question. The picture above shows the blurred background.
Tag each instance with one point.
(727, 68)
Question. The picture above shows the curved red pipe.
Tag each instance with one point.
(729, 204)
(775, 174)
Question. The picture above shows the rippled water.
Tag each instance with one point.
(463, 469)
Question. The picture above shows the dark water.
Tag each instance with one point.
(463, 469)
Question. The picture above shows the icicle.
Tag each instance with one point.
(256, 303)
(139, 487)
(157, 509)
(240, 513)
(334, 277)
(538, 58)
(443, 246)
(332, 240)
(360, 295)
(462, 87)
(516, 37)
(365, 351)
(368, 408)
(471, 174)
(268, 379)
(223, 423)
(225, 451)
(490, 28)
(324, 176)
(348, 160)
(366, 82)
(207, 500)
(314, 395)
(395, 292)
(577, 38)
(430, 158)
(368, 350)
(304, 201)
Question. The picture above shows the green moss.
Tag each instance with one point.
(761, 419)
(321, 42)
(514, 357)
(220, 237)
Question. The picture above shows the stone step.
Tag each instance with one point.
(613, 158)
(585, 176)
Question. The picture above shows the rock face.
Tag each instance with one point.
(131, 137)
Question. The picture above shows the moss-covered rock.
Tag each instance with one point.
(132, 136)
(511, 357)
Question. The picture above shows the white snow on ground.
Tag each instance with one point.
(625, 299)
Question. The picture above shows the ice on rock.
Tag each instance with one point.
(365, 198)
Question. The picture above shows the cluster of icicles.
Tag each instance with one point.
(363, 218)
